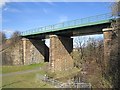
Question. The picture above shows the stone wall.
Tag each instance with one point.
(18, 54)
(12, 55)
(31, 54)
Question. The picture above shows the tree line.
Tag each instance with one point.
(5, 42)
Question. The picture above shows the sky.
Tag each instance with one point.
(22, 16)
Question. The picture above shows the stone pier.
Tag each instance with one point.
(34, 51)
(60, 53)
(111, 54)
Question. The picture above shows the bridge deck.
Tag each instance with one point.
(93, 20)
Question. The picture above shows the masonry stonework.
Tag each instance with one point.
(112, 54)
(29, 53)
(60, 53)
(13, 55)
(35, 51)
(25, 52)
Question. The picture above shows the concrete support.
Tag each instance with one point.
(111, 54)
(34, 51)
(60, 50)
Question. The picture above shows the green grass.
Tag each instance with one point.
(9, 69)
(25, 80)
(28, 80)
(31, 80)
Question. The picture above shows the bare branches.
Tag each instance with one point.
(2, 38)
(15, 37)
(115, 8)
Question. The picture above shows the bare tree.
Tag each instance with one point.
(78, 53)
(112, 73)
(7, 57)
(80, 44)
(90, 59)
(115, 8)
(15, 37)
(2, 38)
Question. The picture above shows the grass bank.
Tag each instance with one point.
(24, 80)
(9, 69)
(28, 80)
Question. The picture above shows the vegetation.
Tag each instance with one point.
(2, 37)
(63, 76)
(89, 57)
(8, 46)
(9, 42)
(24, 81)
(9, 69)
(112, 72)
(15, 37)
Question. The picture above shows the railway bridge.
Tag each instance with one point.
(61, 43)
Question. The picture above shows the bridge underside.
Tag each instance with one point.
(80, 31)
(61, 45)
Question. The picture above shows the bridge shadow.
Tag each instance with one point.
(67, 42)
(42, 48)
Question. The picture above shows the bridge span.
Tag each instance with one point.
(61, 43)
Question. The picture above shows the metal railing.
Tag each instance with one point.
(69, 24)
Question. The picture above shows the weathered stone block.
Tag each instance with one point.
(35, 51)
(25, 52)
(60, 50)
